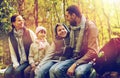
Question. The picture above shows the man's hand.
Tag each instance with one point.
(71, 70)
(33, 65)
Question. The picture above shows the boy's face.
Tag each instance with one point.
(61, 31)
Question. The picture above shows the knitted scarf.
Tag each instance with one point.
(80, 37)
(21, 49)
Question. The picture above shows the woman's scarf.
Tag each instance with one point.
(18, 34)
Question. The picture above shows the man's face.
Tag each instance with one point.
(19, 23)
(61, 31)
(70, 18)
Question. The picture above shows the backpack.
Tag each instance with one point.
(111, 56)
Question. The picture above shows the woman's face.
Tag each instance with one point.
(61, 31)
(19, 22)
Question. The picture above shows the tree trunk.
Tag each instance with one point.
(108, 21)
(21, 6)
(36, 12)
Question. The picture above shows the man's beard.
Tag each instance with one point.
(73, 23)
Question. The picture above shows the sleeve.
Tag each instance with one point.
(50, 50)
(92, 49)
(31, 54)
(32, 34)
(13, 55)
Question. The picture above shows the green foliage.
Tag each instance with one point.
(5, 13)
(104, 13)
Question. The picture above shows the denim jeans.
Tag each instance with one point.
(59, 70)
(29, 72)
(15, 73)
(43, 72)
(83, 71)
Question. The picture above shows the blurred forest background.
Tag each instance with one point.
(105, 14)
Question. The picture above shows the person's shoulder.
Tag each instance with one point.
(46, 41)
(10, 33)
(32, 33)
(30, 30)
(90, 24)
(34, 44)
(58, 40)
(27, 29)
